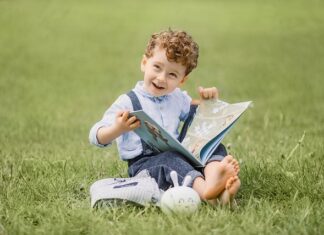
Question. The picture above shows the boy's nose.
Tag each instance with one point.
(161, 77)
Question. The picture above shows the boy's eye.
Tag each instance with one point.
(156, 66)
(173, 75)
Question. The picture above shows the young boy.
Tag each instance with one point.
(169, 58)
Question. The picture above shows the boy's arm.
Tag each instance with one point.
(123, 123)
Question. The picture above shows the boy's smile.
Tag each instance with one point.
(157, 86)
(161, 76)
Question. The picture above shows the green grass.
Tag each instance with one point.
(62, 63)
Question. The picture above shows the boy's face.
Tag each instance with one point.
(161, 76)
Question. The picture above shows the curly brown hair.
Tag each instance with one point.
(179, 46)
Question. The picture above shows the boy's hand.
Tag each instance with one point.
(208, 93)
(125, 123)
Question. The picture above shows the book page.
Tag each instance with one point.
(211, 119)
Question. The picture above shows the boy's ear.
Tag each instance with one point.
(143, 63)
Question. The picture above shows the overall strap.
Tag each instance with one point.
(137, 106)
(187, 122)
(135, 101)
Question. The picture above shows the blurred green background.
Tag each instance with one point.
(62, 63)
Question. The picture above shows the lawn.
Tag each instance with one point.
(62, 63)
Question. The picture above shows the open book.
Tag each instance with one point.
(213, 119)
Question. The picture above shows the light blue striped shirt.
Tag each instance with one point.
(168, 111)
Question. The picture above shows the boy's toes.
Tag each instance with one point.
(228, 159)
(234, 162)
(237, 169)
(230, 182)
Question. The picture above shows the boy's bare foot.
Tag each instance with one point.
(217, 174)
(231, 188)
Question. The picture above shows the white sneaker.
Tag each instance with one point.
(141, 189)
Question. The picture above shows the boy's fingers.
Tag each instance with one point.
(125, 115)
(131, 120)
(212, 92)
(135, 125)
(208, 93)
